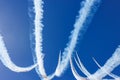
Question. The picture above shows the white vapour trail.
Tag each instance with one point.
(105, 70)
(84, 13)
(76, 75)
(109, 74)
(91, 76)
(38, 58)
(5, 58)
(38, 5)
(110, 65)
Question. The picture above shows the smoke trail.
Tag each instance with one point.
(105, 70)
(85, 12)
(109, 74)
(110, 65)
(38, 58)
(4, 57)
(76, 75)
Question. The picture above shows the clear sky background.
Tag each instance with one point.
(100, 40)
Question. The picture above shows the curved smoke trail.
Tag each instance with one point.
(110, 64)
(38, 27)
(106, 69)
(84, 13)
(88, 10)
(5, 58)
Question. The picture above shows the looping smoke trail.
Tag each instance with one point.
(4, 57)
(88, 9)
(105, 70)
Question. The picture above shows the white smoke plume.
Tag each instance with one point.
(110, 65)
(6, 60)
(104, 70)
(38, 10)
(86, 11)
(78, 26)
(39, 56)
(38, 27)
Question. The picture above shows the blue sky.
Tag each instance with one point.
(100, 40)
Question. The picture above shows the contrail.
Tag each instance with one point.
(87, 11)
(39, 56)
(38, 10)
(109, 74)
(4, 57)
(106, 69)
(76, 75)
(110, 65)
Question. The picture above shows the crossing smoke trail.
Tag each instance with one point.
(87, 11)
(4, 57)
(110, 65)
(84, 13)
(106, 69)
